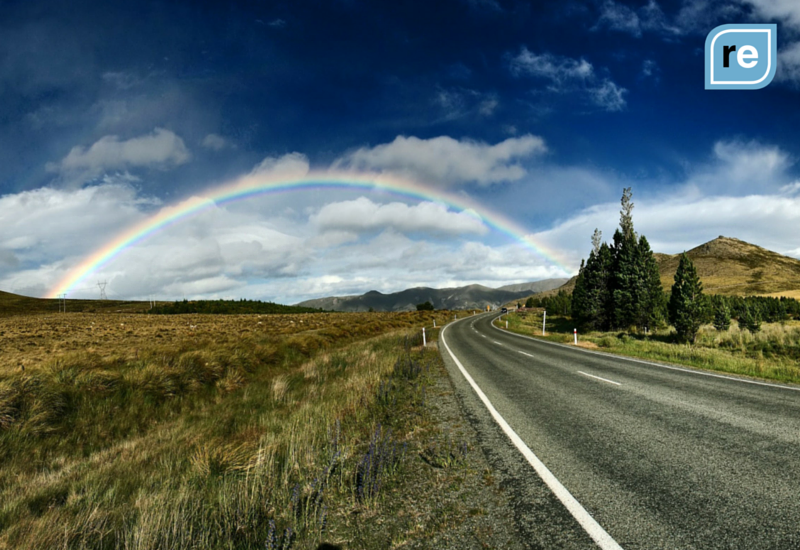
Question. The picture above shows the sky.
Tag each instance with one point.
(535, 114)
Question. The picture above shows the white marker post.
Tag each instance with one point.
(506, 323)
(575, 332)
(544, 321)
(434, 323)
(424, 344)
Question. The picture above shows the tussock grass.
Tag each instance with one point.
(244, 440)
(772, 353)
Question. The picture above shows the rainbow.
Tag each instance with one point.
(257, 185)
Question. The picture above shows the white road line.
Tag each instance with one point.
(624, 358)
(603, 379)
(523, 353)
(584, 518)
(496, 342)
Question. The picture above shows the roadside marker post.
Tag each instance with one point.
(424, 344)
(544, 321)
(575, 332)
(434, 323)
(506, 323)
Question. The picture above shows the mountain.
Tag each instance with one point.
(535, 286)
(731, 267)
(465, 297)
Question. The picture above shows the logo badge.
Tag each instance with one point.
(741, 57)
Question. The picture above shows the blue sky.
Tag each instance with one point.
(543, 111)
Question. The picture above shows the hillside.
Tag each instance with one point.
(535, 286)
(466, 297)
(731, 267)
(14, 304)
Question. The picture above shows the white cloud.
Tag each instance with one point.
(789, 63)
(649, 17)
(458, 102)
(739, 167)
(160, 149)
(568, 75)
(785, 10)
(608, 95)
(620, 17)
(216, 142)
(487, 106)
(445, 161)
(674, 223)
(558, 69)
(362, 215)
(291, 164)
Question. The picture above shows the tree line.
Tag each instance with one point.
(619, 287)
(227, 307)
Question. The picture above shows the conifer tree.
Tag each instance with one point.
(686, 303)
(652, 301)
(627, 280)
(722, 315)
(578, 307)
(751, 318)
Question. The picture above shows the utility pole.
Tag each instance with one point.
(102, 286)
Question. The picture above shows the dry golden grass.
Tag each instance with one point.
(31, 341)
(192, 431)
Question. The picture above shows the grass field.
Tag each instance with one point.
(145, 432)
(771, 354)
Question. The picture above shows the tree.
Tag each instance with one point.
(652, 302)
(751, 318)
(426, 306)
(628, 279)
(625, 216)
(722, 315)
(686, 303)
(597, 240)
(591, 297)
(529, 302)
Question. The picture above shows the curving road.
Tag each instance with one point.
(658, 457)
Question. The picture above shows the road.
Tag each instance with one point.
(658, 457)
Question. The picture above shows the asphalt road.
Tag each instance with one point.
(660, 458)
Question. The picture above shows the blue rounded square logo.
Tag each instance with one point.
(741, 57)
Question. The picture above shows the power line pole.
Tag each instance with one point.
(62, 303)
(102, 286)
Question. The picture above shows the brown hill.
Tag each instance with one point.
(731, 267)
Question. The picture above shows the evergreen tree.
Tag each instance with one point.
(722, 315)
(625, 216)
(751, 317)
(578, 309)
(597, 240)
(652, 301)
(686, 304)
(628, 277)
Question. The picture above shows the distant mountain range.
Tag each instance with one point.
(465, 297)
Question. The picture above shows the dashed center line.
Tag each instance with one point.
(523, 353)
(603, 379)
(496, 342)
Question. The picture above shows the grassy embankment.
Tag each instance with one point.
(145, 432)
(772, 353)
